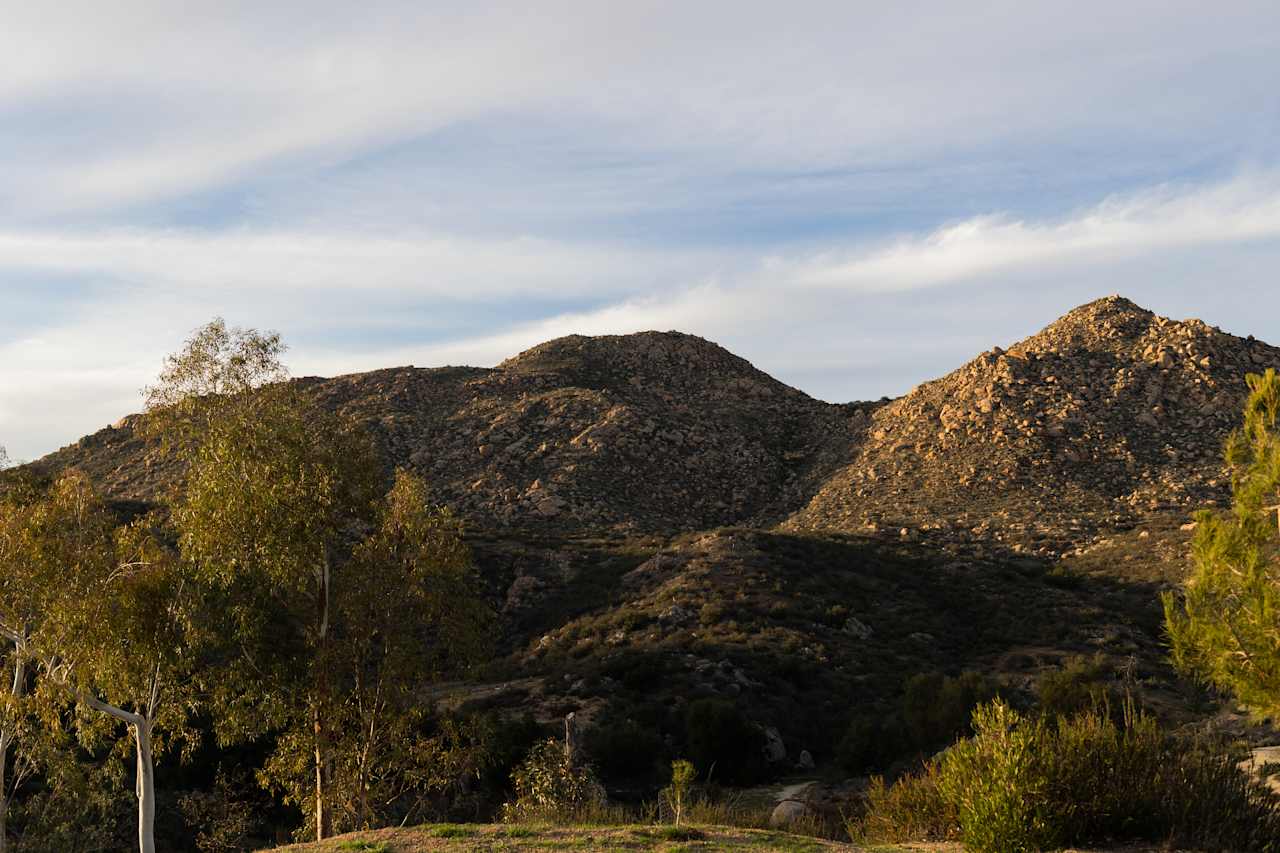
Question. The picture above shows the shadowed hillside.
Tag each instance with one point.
(658, 521)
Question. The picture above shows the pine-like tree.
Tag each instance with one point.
(1224, 627)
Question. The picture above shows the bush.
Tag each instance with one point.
(1024, 784)
(624, 749)
(1079, 685)
(548, 787)
(936, 709)
(871, 743)
(911, 809)
(723, 743)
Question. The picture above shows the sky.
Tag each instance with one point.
(855, 196)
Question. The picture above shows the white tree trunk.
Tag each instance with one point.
(322, 817)
(6, 739)
(146, 788)
(141, 726)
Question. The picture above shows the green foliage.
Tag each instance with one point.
(405, 611)
(549, 787)
(624, 749)
(1224, 626)
(104, 617)
(1078, 685)
(677, 793)
(936, 708)
(722, 743)
(1025, 784)
(911, 809)
(999, 785)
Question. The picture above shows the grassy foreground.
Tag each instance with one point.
(503, 837)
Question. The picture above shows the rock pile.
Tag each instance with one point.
(1108, 414)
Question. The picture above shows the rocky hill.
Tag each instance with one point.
(658, 520)
(645, 432)
(1108, 415)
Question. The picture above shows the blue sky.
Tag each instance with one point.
(855, 196)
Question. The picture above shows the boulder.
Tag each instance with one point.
(774, 749)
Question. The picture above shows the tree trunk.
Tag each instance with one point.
(322, 814)
(6, 738)
(323, 819)
(146, 788)
(4, 792)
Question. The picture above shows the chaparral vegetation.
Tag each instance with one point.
(631, 593)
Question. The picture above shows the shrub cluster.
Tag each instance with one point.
(1026, 784)
(723, 743)
(935, 710)
(549, 787)
(1079, 685)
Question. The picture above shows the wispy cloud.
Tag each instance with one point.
(201, 97)
(799, 314)
(1244, 209)
(855, 195)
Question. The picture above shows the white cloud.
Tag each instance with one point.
(294, 264)
(1244, 209)
(792, 314)
(192, 97)
(655, 108)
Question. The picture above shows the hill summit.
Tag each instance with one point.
(1108, 414)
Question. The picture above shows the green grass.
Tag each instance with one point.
(453, 830)
(361, 846)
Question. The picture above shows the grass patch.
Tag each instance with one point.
(359, 845)
(670, 833)
(453, 830)
(518, 832)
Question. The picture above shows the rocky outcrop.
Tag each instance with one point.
(1110, 414)
(646, 432)
(1107, 415)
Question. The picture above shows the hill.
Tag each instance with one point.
(660, 522)
(1103, 418)
(648, 432)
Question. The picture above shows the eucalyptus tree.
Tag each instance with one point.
(44, 536)
(334, 605)
(100, 613)
(273, 493)
(21, 585)
(409, 612)
(1225, 625)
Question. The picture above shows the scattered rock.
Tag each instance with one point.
(774, 749)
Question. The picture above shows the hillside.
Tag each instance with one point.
(646, 432)
(658, 521)
(1106, 416)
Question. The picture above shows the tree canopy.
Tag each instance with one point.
(1224, 627)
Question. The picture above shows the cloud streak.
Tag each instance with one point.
(792, 313)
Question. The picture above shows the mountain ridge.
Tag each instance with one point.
(657, 521)
(1106, 414)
